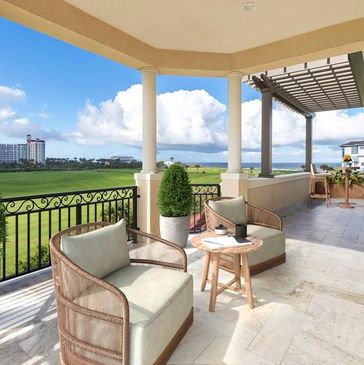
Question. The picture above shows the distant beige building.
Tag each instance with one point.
(35, 150)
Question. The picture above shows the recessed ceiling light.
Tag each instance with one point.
(249, 6)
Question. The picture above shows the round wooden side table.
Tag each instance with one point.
(213, 256)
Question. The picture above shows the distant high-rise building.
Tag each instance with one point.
(33, 150)
(36, 150)
(13, 153)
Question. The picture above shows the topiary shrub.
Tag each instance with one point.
(175, 193)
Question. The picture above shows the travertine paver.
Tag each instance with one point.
(333, 226)
(309, 310)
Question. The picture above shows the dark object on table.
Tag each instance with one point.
(240, 231)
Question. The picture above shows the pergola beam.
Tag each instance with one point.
(279, 94)
(357, 65)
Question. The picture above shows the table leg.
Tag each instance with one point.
(215, 277)
(248, 284)
(206, 270)
(237, 271)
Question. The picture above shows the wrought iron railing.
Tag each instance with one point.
(32, 220)
(200, 193)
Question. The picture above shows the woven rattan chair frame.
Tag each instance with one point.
(255, 214)
(118, 318)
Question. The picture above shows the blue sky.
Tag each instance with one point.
(66, 89)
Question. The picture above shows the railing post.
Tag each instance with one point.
(78, 214)
(135, 206)
(135, 212)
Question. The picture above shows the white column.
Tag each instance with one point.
(149, 120)
(308, 143)
(148, 180)
(233, 181)
(234, 121)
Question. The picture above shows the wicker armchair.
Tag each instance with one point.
(262, 223)
(97, 320)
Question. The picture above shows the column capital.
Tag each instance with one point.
(234, 74)
(149, 69)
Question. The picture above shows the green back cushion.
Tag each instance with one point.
(231, 209)
(99, 252)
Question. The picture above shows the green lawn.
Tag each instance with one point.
(42, 182)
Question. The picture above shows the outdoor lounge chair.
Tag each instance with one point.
(260, 222)
(118, 302)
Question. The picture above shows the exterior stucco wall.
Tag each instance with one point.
(279, 193)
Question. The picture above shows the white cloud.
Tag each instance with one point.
(186, 119)
(9, 94)
(6, 113)
(196, 121)
(14, 126)
(21, 121)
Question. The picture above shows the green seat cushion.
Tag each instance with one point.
(232, 209)
(99, 252)
(274, 243)
(160, 300)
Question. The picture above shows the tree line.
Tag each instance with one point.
(63, 164)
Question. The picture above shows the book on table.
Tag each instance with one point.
(217, 243)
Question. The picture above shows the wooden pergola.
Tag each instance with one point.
(329, 84)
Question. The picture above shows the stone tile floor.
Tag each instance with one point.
(309, 310)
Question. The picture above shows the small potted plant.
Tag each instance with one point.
(175, 203)
(347, 160)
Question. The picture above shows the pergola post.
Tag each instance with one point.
(148, 180)
(266, 142)
(231, 184)
(308, 143)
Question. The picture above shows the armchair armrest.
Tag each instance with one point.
(263, 217)
(157, 251)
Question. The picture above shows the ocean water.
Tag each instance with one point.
(293, 166)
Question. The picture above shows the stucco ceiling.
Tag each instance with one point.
(218, 26)
(199, 37)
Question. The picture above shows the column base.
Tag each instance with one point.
(234, 184)
(148, 213)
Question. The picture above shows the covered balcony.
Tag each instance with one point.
(309, 310)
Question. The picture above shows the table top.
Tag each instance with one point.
(197, 242)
